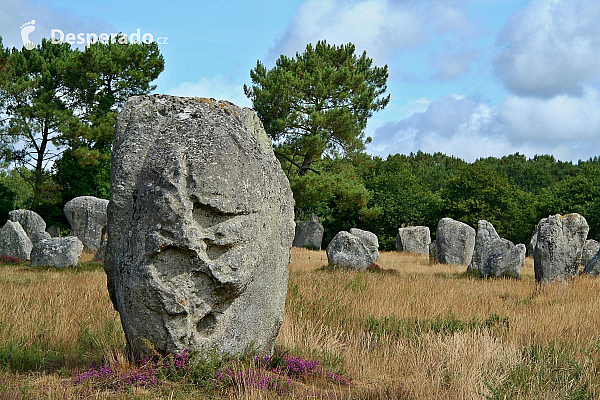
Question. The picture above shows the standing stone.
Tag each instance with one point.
(485, 234)
(433, 253)
(502, 258)
(532, 243)
(101, 253)
(37, 236)
(348, 251)
(200, 227)
(309, 233)
(87, 216)
(413, 239)
(558, 247)
(14, 242)
(455, 242)
(57, 252)
(54, 231)
(29, 220)
(593, 266)
(589, 251)
(370, 240)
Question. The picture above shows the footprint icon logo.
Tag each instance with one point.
(26, 29)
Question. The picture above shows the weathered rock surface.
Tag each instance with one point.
(309, 233)
(558, 246)
(455, 242)
(14, 242)
(485, 234)
(348, 251)
(200, 227)
(29, 220)
(593, 266)
(102, 250)
(41, 235)
(502, 258)
(54, 231)
(87, 216)
(413, 239)
(532, 243)
(370, 240)
(433, 256)
(590, 249)
(57, 252)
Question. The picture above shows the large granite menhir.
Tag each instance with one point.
(33, 224)
(455, 242)
(370, 240)
(200, 227)
(558, 245)
(14, 242)
(348, 251)
(87, 216)
(59, 252)
(413, 239)
(309, 233)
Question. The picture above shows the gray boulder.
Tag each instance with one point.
(348, 251)
(87, 216)
(200, 227)
(433, 250)
(29, 220)
(590, 249)
(558, 246)
(502, 258)
(413, 239)
(100, 254)
(54, 231)
(485, 234)
(57, 252)
(41, 235)
(370, 240)
(455, 242)
(309, 233)
(593, 266)
(532, 243)
(14, 242)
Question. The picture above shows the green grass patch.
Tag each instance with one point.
(441, 325)
(544, 370)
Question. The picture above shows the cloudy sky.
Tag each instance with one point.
(467, 78)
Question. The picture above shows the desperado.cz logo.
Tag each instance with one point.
(57, 36)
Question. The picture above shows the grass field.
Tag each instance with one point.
(408, 331)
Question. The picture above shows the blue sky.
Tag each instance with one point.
(467, 78)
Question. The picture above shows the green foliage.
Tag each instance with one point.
(543, 370)
(402, 200)
(338, 194)
(441, 325)
(55, 96)
(579, 193)
(318, 102)
(77, 178)
(480, 192)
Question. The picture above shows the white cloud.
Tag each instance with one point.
(449, 66)
(567, 127)
(219, 87)
(562, 118)
(381, 27)
(550, 47)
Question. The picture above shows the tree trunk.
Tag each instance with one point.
(39, 167)
(308, 158)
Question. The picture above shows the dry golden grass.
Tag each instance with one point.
(329, 315)
(337, 303)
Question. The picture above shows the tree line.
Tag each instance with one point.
(58, 106)
(512, 192)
